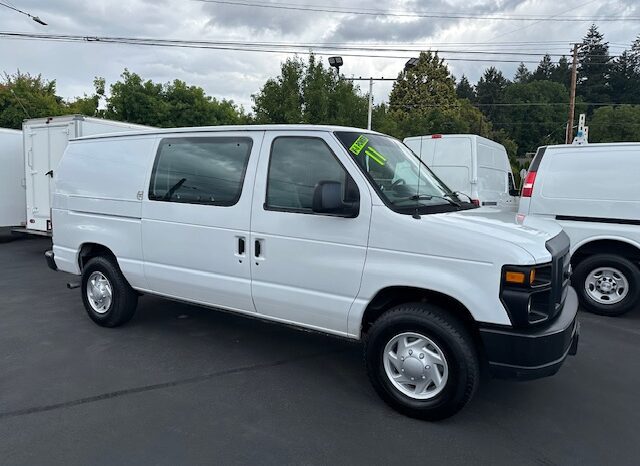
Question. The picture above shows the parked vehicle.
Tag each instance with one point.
(593, 192)
(335, 229)
(45, 140)
(12, 201)
(475, 166)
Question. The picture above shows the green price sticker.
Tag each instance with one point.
(375, 155)
(358, 145)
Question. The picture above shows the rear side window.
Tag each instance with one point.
(200, 170)
(296, 166)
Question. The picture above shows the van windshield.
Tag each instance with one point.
(403, 181)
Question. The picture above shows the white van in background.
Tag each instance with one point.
(469, 164)
(593, 191)
(12, 200)
(340, 230)
(45, 140)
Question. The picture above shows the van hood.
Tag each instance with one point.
(530, 233)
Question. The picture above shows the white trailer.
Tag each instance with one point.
(12, 199)
(45, 140)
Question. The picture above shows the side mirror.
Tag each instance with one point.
(514, 192)
(328, 199)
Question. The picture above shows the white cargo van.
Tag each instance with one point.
(340, 230)
(12, 201)
(45, 140)
(472, 165)
(593, 191)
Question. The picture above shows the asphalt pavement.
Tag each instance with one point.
(181, 384)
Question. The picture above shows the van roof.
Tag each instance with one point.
(477, 137)
(596, 145)
(209, 129)
(78, 117)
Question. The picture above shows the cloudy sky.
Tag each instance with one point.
(238, 74)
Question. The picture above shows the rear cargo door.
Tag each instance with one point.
(45, 146)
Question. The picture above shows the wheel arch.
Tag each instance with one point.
(392, 296)
(89, 250)
(606, 245)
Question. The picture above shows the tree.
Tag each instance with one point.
(562, 72)
(624, 79)
(280, 100)
(88, 105)
(25, 96)
(545, 69)
(615, 124)
(309, 93)
(535, 125)
(465, 90)
(424, 101)
(594, 67)
(167, 105)
(490, 90)
(523, 75)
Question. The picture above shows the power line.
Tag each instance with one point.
(283, 48)
(437, 15)
(515, 104)
(550, 18)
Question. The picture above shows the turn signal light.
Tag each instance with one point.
(515, 277)
(532, 276)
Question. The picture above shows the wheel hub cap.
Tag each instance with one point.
(415, 365)
(99, 292)
(606, 285)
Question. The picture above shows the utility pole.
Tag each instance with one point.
(370, 114)
(572, 97)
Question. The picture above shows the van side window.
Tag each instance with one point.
(297, 164)
(192, 170)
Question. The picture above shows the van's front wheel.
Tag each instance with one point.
(107, 296)
(422, 361)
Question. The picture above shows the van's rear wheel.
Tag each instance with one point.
(107, 296)
(607, 284)
(422, 361)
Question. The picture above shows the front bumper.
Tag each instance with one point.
(537, 352)
(51, 261)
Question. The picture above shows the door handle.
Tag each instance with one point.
(241, 246)
(258, 248)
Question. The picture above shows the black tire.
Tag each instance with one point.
(124, 298)
(628, 269)
(452, 339)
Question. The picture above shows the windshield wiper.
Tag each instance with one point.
(169, 194)
(428, 197)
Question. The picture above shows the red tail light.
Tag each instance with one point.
(475, 202)
(436, 136)
(527, 187)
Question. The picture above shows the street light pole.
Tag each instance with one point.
(370, 103)
(333, 61)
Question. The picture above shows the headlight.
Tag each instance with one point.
(524, 292)
(532, 276)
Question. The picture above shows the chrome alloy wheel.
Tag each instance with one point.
(415, 365)
(606, 285)
(99, 292)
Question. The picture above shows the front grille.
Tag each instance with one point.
(560, 272)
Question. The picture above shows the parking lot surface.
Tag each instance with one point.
(185, 385)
